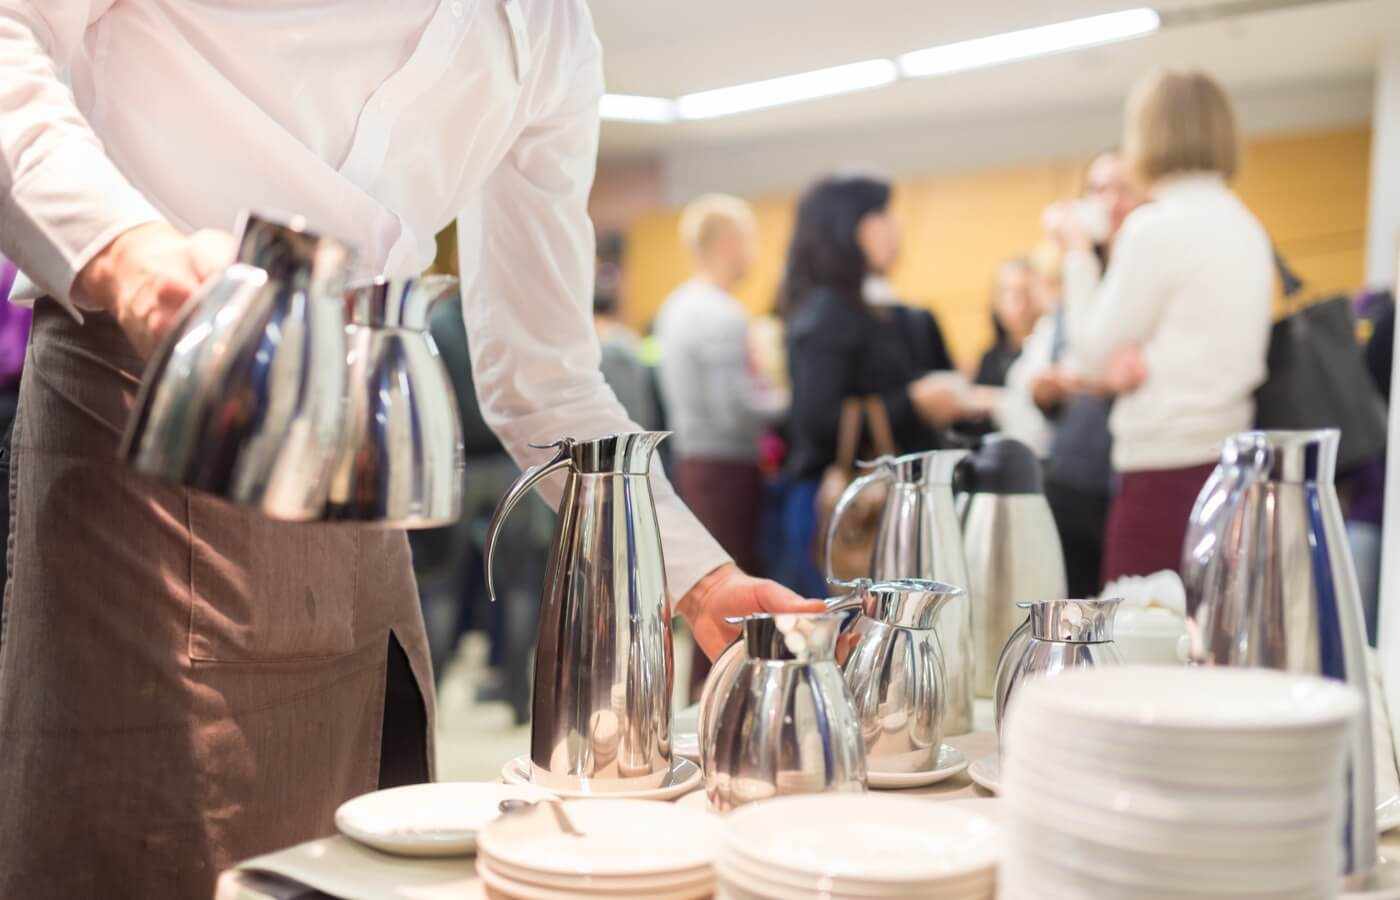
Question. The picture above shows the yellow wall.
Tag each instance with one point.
(1309, 190)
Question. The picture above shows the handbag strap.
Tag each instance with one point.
(880, 430)
(848, 434)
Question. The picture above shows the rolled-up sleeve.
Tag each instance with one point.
(61, 199)
(527, 261)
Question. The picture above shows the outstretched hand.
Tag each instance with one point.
(727, 592)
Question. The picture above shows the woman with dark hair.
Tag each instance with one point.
(1014, 314)
(841, 346)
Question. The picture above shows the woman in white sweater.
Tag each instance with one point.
(1186, 298)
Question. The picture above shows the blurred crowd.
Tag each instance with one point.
(1129, 344)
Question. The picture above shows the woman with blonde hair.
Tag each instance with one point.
(1188, 291)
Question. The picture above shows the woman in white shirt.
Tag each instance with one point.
(1187, 298)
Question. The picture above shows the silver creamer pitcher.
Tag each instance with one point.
(919, 536)
(1270, 582)
(245, 396)
(603, 663)
(401, 460)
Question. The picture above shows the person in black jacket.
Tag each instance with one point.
(1014, 314)
(839, 346)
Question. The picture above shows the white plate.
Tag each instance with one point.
(510, 887)
(683, 880)
(863, 837)
(771, 879)
(1385, 884)
(699, 801)
(986, 773)
(685, 777)
(428, 819)
(1222, 698)
(1388, 814)
(951, 761)
(620, 838)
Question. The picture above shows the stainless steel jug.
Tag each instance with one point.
(245, 396)
(919, 537)
(782, 721)
(1012, 547)
(896, 676)
(1270, 582)
(603, 663)
(736, 654)
(1057, 635)
(401, 460)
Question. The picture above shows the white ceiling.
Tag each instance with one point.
(669, 47)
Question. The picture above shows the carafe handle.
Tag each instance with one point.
(844, 503)
(519, 489)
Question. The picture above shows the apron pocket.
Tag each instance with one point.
(264, 591)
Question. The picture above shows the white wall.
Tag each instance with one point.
(787, 162)
(1383, 230)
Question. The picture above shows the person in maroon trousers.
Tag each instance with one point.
(1188, 293)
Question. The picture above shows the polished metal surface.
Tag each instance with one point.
(1013, 555)
(401, 460)
(244, 398)
(1057, 635)
(919, 536)
(847, 605)
(782, 723)
(896, 676)
(603, 664)
(1270, 582)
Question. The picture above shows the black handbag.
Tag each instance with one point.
(1318, 378)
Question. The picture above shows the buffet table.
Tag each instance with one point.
(348, 871)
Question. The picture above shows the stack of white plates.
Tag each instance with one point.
(857, 845)
(1142, 781)
(625, 849)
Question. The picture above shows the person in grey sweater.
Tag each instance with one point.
(716, 401)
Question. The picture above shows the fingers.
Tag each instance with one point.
(774, 598)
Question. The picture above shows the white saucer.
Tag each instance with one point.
(428, 819)
(986, 773)
(685, 777)
(951, 761)
(1388, 814)
(1385, 884)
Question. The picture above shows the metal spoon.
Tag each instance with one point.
(513, 804)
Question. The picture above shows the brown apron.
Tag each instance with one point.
(183, 684)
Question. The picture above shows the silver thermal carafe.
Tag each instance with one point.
(401, 460)
(603, 663)
(1011, 545)
(1056, 636)
(1270, 582)
(919, 537)
(244, 398)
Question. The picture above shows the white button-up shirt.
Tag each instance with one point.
(380, 122)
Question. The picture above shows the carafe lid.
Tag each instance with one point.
(908, 602)
(396, 302)
(613, 454)
(942, 467)
(1073, 621)
(791, 637)
(1288, 456)
(1003, 465)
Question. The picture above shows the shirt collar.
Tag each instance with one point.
(1182, 183)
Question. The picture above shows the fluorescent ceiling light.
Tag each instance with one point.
(787, 89)
(635, 108)
(1029, 42)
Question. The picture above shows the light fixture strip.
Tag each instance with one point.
(1027, 43)
(944, 59)
(636, 108)
(787, 89)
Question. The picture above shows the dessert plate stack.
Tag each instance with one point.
(853, 845)
(1200, 782)
(618, 848)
